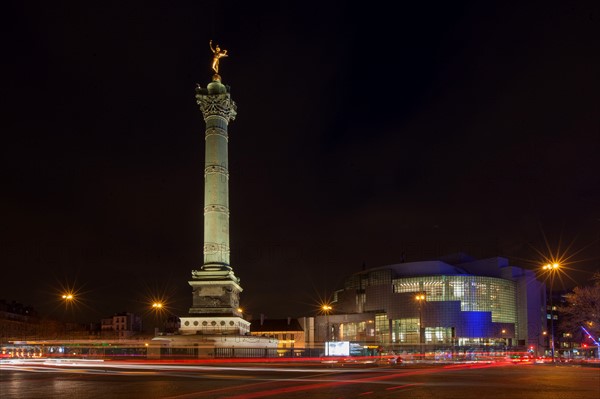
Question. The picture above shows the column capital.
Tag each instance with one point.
(216, 105)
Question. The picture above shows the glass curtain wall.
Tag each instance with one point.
(475, 293)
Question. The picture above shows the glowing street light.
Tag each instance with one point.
(158, 308)
(327, 309)
(69, 300)
(421, 298)
(551, 268)
(504, 339)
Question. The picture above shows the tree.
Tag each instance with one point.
(582, 310)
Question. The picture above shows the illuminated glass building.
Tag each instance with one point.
(455, 302)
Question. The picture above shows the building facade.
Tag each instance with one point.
(17, 321)
(121, 325)
(457, 302)
(288, 333)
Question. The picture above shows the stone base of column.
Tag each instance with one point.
(207, 346)
(214, 325)
(215, 293)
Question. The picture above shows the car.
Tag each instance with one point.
(390, 358)
(521, 358)
(564, 360)
(394, 360)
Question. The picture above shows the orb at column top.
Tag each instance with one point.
(216, 87)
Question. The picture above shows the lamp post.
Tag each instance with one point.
(420, 298)
(68, 298)
(551, 268)
(157, 307)
(545, 335)
(327, 309)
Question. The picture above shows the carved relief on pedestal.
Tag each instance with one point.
(211, 302)
(235, 299)
(216, 296)
(214, 290)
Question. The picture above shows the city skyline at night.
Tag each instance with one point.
(365, 137)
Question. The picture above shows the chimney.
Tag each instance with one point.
(289, 320)
(262, 319)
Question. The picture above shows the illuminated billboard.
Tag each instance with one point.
(337, 348)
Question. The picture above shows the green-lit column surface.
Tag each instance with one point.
(218, 109)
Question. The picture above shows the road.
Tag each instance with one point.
(89, 379)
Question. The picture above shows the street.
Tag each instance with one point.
(118, 379)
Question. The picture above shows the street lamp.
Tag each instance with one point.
(327, 309)
(421, 298)
(545, 335)
(69, 299)
(551, 268)
(157, 307)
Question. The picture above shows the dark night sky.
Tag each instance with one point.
(363, 132)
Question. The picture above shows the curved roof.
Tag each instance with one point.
(427, 268)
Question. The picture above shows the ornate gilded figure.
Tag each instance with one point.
(217, 55)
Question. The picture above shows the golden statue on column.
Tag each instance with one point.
(217, 55)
